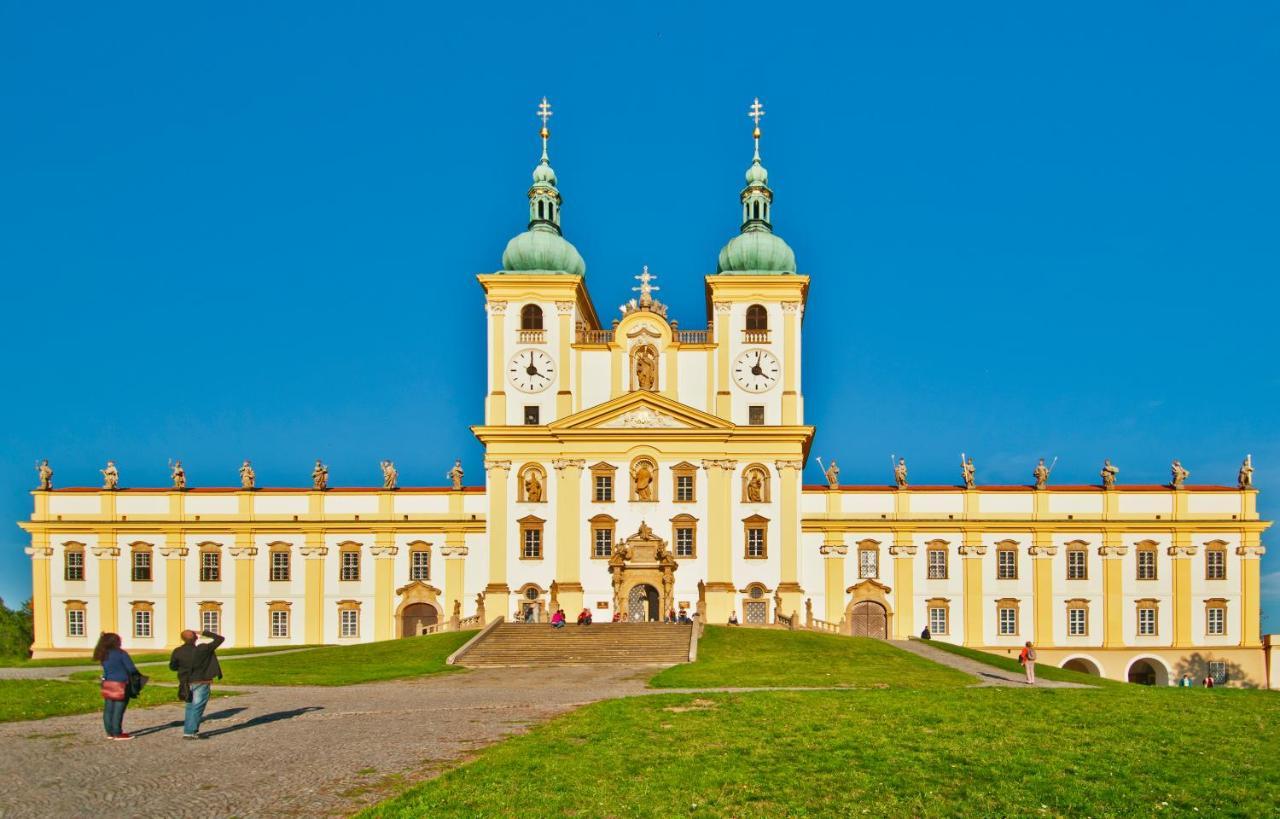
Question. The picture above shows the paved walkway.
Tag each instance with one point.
(55, 672)
(986, 674)
(307, 751)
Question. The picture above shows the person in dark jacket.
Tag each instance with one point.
(117, 666)
(197, 667)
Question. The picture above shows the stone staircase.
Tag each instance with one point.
(531, 644)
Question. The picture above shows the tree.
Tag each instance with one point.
(15, 630)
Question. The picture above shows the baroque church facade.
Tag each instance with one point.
(640, 467)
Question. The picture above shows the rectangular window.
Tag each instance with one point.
(603, 542)
(280, 566)
(1008, 621)
(755, 415)
(1215, 564)
(1146, 564)
(684, 541)
(349, 623)
(755, 542)
(937, 564)
(684, 488)
(532, 547)
(1077, 622)
(141, 566)
(531, 415)
(350, 566)
(141, 623)
(1077, 564)
(1218, 671)
(604, 489)
(868, 563)
(1006, 564)
(211, 620)
(420, 565)
(1146, 622)
(279, 623)
(75, 622)
(75, 565)
(1216, 620)
(937, 620)
(210, 567)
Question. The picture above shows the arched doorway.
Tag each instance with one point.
(417, 616)
(869, 619)
(642, 603)
(1082, 665)
(1148, 672)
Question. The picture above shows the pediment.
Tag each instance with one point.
(641, 410)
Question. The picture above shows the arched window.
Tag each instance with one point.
(757, 317)
(531, 317)
(541, 210)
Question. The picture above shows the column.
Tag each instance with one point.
(41, 554)
(904, 602)
(564, 398)
(454, 553)
(1042, 552)
(108, 555)
(971, 554)
(243, 553)
(569, 525)
(724, 403)
(497, 592)
(1250, 552)
(175, 589)
(313, 609)
(384, 552)
(789, 528)
(1112, 552)
(833, 573)
(720, 539)
(496, 410)
(1182, 551)
(790, 363)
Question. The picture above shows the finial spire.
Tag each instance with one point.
(646, 289)
(544, 113)
(755, 113)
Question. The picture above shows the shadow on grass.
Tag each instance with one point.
(265, 719)
(177, 723)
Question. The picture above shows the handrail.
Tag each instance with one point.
(824, 625)
(457, 655)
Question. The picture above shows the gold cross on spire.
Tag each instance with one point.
(544, 113)
(755, 113)
(646, 289)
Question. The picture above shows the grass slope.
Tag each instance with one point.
(39, 699)
(972, 751)
(138, 659)
(748, 657)
(336, 665)
(1043, 671)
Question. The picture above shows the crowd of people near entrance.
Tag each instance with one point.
(197, 667)
(559, 619)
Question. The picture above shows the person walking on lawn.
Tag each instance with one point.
(1028, 659)
(117, 667)
(197, 667)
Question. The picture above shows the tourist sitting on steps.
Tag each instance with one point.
(557, 619)
(584, 618)
(528, 614)
(617, 617)
(683, 619)
(733, 618)
(925, 635)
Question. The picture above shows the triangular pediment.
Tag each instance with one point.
(641, 410)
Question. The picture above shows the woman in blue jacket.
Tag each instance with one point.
(116, 667)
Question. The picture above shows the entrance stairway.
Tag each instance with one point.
(528, 644)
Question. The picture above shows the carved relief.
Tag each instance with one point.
(644, 479)
(645, 418)
(532, 486)
(755, 484)
(644, 367)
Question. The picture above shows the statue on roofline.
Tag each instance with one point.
(455, 475)
(1179, 474)
(1108, 473)
(45, 473)
(110, 476)
(1244, 479)
(390, 475)
(320, 476)
(247, 477)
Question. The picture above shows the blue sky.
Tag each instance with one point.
(230, 232)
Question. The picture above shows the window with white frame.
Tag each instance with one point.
(1006, 564)
(684, 488)
(1146, 621)
(1077, 564)
(937, 564)
(532, 545)
(684, 541)
(141, 623)
(75, 622)
(74, 559)
(1216, 620)
(211, 620)
(280, 623)
(602, 541)
(280, 566)
(1008, 620)
(1077, 622)
(349, 623)
(210, 566)
(603, 488)
(350, 565)
(419, 564)
(755, 542)
(868, 563)
(938, 619)
(1146, 564)
(142, 565)
(1215, 564)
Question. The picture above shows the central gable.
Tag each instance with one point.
(641, 410)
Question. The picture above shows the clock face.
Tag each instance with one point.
(531, 370)
(756, 370)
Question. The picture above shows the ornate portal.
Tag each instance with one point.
(643, 572)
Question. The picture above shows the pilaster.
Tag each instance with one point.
(41, 554)
(497, 592)
(569, 526)
(720, 588)
(108, 555)
(496, 407)
(833, 554)
(384, 552)
(1250, 552)
(1182, 550)
(791, 363)
(1112, 551)
(789, 529)
(723, 335)
(904, 605)
(454, 554)
(313, 554)
(972, 551)
(564, 397)
(175, 590)
(243, 553)
(1042, 552)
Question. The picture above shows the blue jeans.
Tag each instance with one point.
(113, 716)
(195, 708)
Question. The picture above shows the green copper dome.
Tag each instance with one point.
(757, 251)
(542, 250)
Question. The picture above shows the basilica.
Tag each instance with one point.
(641, 468)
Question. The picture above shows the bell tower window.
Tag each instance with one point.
(757, 317)
(531, 317)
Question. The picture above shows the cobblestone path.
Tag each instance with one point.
(298, 751)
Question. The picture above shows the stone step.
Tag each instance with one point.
(523, 644)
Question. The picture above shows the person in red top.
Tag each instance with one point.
(617, 616)
(1028, 659)
(584, 618)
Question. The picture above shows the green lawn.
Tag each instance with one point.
(939, 752)
(148, 657)
(335, 665)
(1043, 670)
(749, 657)
(38, 699)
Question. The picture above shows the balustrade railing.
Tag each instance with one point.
(531, 336)
(755, 336)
